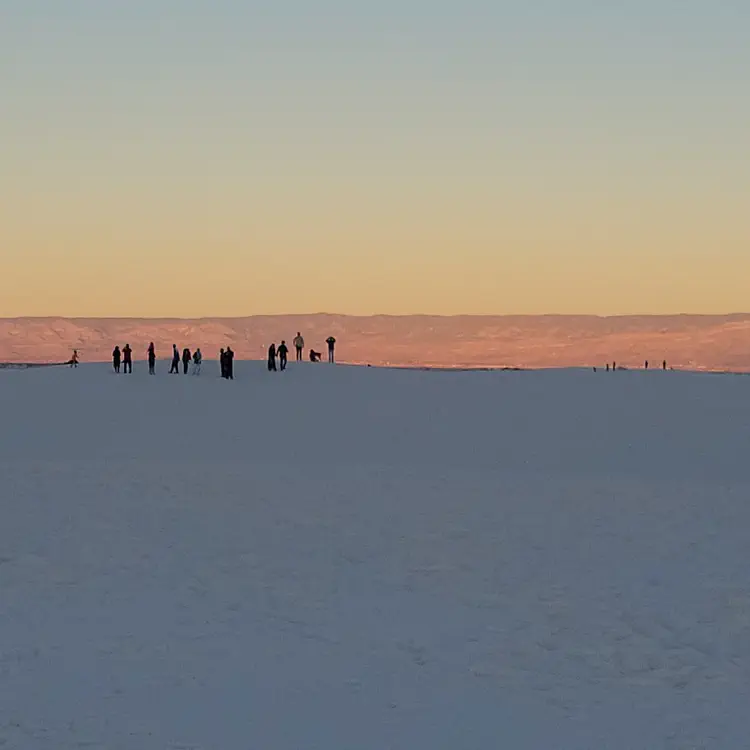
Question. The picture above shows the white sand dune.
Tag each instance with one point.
(340, 557)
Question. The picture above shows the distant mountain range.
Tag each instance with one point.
(711, 342)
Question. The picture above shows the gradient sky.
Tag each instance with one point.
(196, 158)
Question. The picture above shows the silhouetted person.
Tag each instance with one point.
(175, 368)
(186, 358)
(607, 366)
(314, 356)
(223, 362)
(614, 367)
(151, 359)
(272, 358)
(73, 361)
(645, 366)
(229, 356)
(197, 361)
(283, 355)
(331, 346)
(127, 359)
(116, 357)
(664, 365)
(299, 345)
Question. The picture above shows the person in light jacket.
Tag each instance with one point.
(299, 345)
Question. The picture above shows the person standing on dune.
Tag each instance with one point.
(116, 357)
(151, 358)
(331, 341)
(272, 358)
(229, 356)
(186, 358)
(283, 355)
(127, 359)
(175, 369)
(299, 345)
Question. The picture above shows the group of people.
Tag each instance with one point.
(226, 362)
(282, 352)
(123, 358)
(196, 359)
(613, 367)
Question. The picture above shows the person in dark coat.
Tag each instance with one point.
(175, 368)
(283, 351)
(186, 358)
(272, 358)
(151, 358)
(116, 358)
(229, 356)
(127, 359)
(331, 345)
(223, 362)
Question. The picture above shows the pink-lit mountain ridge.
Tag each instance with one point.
(711, 342)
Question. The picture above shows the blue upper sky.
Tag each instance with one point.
(380, 157)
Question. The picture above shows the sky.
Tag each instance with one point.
(229, 157)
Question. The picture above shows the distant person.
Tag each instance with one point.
(151, 359)
(197, 361)
(664, 365)
(127, 359)
(186, 359)
(175, 368)
(229, 356)
(314, 356)
(73, 361)
(116, 358)
(607, 366)
(283, 355)
(299, 345)
(645, 366)
(614, 366)
(331, 346)
(272, 358)
(223, 362)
